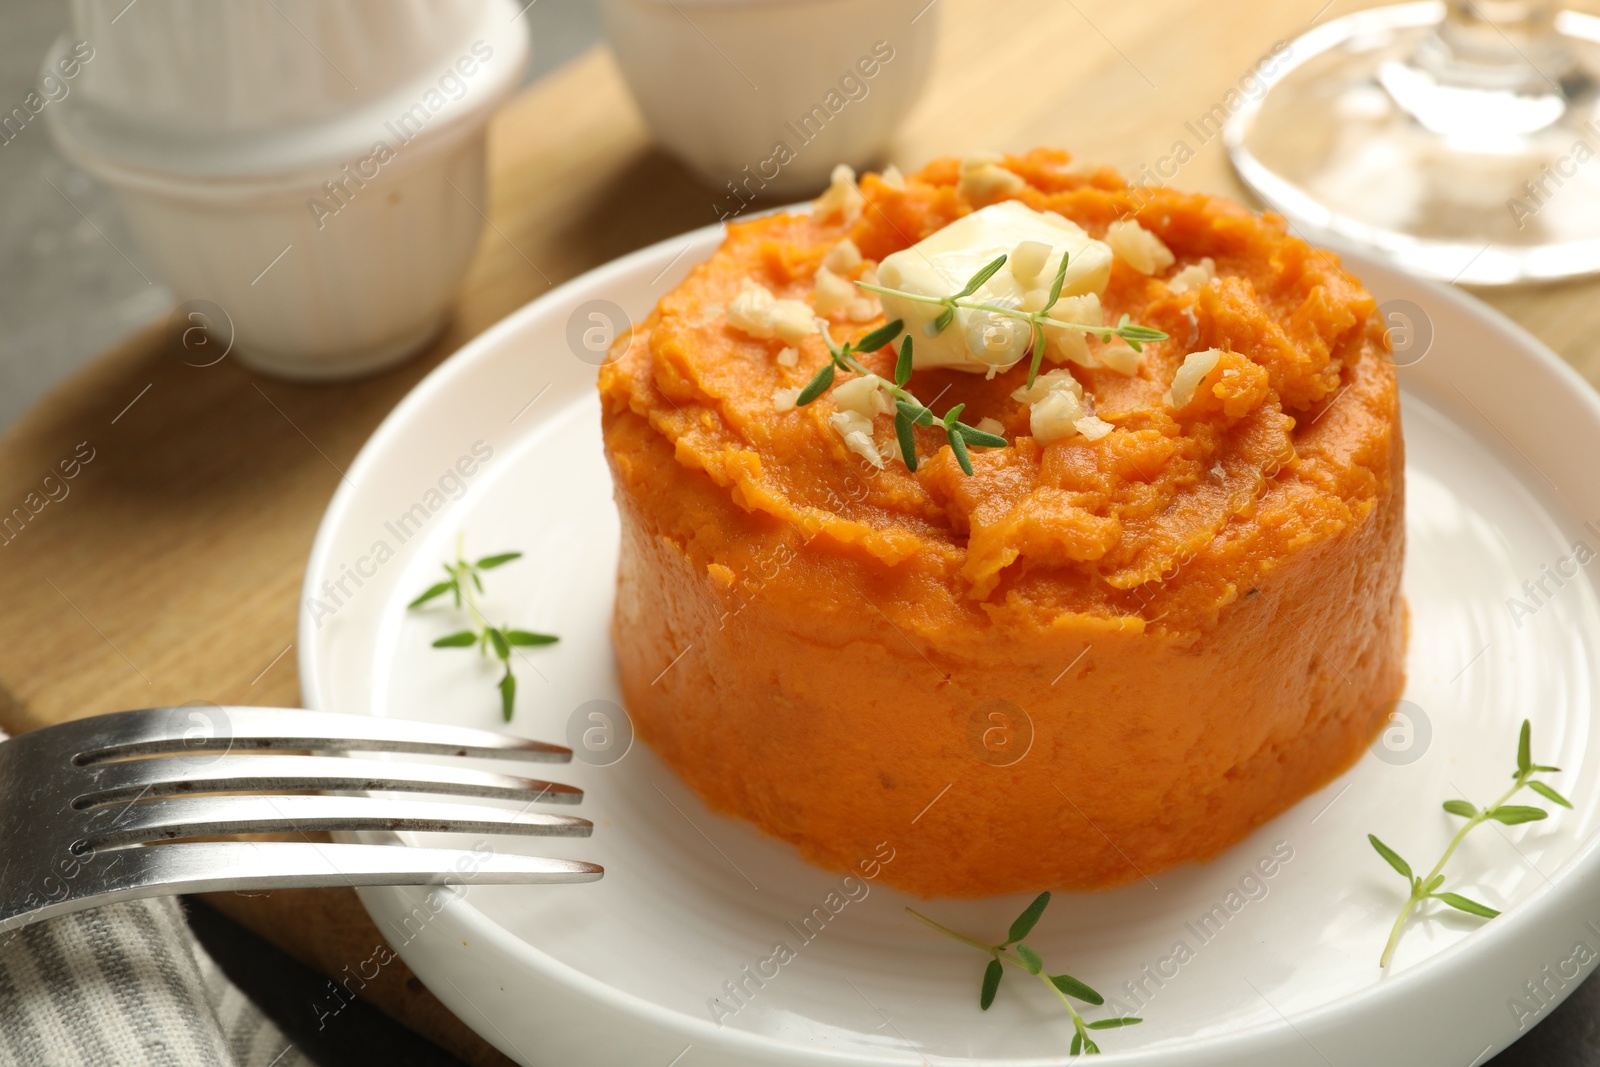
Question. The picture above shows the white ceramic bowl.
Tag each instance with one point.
(238, 66)
(766, 96)
(364, 292)
(329, 255)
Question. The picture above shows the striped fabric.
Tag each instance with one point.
(126, 984)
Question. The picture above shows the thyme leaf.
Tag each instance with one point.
(1065, 987)
(465, 582)
(1423, 889)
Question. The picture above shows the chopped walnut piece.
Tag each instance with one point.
(756, 312)
(1073, 345)
(832, 293)
(1120, 357)
(1196, 365)
(843, 257)
(984, 180)
(1193, 277)
(856, 429)
(843, 198)
(863, 395)
(1138, 247)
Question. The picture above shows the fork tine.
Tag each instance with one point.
(137, 779)
(157, 731)
(206, 866)
(177, 817)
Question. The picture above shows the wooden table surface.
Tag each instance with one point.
(170, 570)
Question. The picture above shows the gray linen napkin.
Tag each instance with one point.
(126, 984)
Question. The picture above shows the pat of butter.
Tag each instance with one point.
(942, 263)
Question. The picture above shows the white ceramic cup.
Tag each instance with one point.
(317, 298)
(764, 97)
(327, 229)
(253, 65)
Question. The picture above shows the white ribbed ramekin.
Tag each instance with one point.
(331, 220)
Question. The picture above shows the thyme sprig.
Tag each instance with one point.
(1013, 951)
(1135, 335)
(909, 411)
(843, 358)
(1424, 888)
(464, 584)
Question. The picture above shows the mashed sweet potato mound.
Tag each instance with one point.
(1093, 659)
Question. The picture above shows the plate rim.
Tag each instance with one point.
(1197, 1050)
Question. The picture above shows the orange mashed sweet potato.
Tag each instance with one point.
(1084, 663)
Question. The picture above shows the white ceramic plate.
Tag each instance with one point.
(1501, 438)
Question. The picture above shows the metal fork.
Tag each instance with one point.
(87, 806)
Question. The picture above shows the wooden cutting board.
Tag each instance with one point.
(167, 569)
